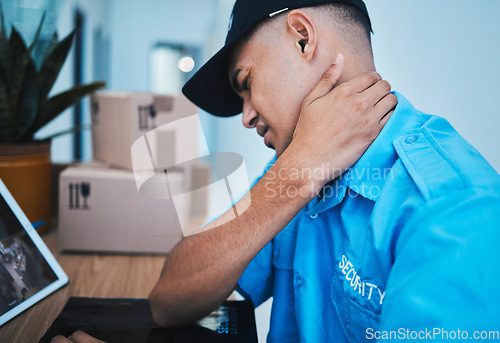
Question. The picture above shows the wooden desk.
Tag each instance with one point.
(90, 275)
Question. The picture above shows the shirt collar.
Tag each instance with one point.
(367, 177)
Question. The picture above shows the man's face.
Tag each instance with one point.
(273, 81)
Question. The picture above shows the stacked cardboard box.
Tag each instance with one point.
(101, 206)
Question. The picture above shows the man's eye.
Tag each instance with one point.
(245, 83)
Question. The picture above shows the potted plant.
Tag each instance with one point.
(25, 107)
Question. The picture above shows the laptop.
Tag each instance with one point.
(28, 271)
(129, 321)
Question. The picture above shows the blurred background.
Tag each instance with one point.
(442, 55)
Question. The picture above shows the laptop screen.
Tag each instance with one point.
(28, 271)
(129, 320)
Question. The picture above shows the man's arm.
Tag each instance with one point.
(202, 270)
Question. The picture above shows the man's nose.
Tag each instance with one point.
(250, 115)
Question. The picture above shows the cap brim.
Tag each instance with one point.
(210, 88)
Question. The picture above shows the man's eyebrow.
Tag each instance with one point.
(236, 85)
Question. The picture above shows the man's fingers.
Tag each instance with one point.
(76, 337)
(377, 91)
(82, 337)
(386, 105)
(364, 81)
(329, 79)
(384, 119)
(60, 339)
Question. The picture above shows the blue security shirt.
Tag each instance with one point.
(405, 243)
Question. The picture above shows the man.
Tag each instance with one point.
(400, 246)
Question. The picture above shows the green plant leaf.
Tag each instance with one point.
(65, 132)
(38, 30)
(4, 43)
(23, 90)
(6, 124)
(15, 55)
(50, 45)
(15, 74)
(52, 65)
(18, 49)
(28, 102)
(3, 32)
(6, 127)
(3, 74)
(57, 104)
(2, 19)
(24, 75)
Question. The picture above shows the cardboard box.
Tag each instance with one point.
(120, 118)
(100, 209)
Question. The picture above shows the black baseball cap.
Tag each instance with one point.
(210, 88)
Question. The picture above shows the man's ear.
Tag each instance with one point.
(301, 27)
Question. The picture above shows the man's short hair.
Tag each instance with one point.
(349, 20)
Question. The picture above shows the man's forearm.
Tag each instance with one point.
(203, 269)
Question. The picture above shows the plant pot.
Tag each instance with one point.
(26, 171)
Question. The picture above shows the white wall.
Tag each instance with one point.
(137, 25)
(444, 57)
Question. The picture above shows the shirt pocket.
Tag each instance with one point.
(356, 320)
(284, 249)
